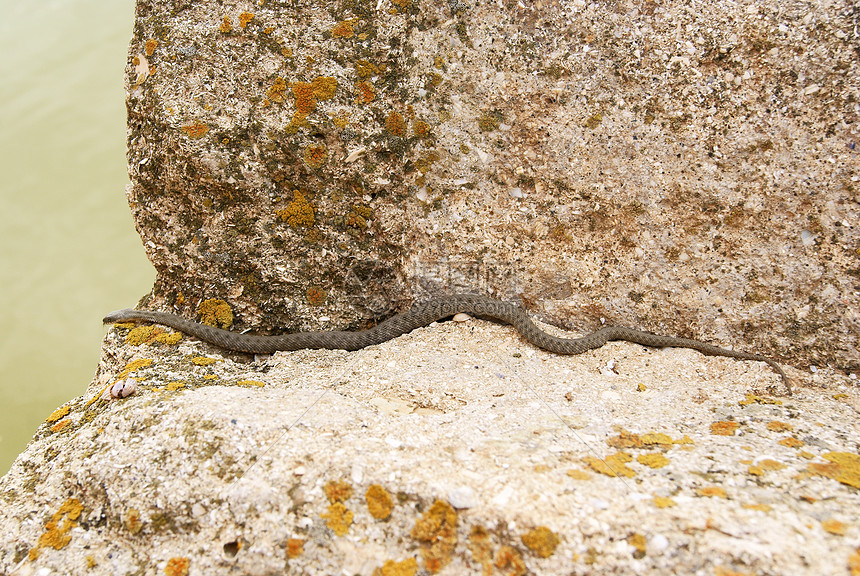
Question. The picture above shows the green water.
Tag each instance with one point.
(68, 249)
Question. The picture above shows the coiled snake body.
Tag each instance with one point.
(422, 315)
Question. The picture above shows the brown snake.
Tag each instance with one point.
(422, 315)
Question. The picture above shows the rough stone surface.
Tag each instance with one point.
(456, 449)
(684, 168)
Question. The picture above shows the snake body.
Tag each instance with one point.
(422, 315)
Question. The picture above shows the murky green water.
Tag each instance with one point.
(68, 249)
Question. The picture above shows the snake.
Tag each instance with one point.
(421, 315)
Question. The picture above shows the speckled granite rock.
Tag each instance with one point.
(457, 449)
(685, 169)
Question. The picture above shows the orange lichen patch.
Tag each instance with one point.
(854, 563)
(254, 383)
(510, 559)
(203, 361)
(638, 541)
(843, 467)
(791, 442)
(60, 425)
(579, 474)
(295, 547)
(315, 296)
(421, 129)
(625, 439)
(315, 155)
(723, 571)
(226, 25)
(343, 30)
(776, 426)
(753, 399)
(58, 414)
(724, 428)
(150, 46)
(132, 521)
(298, 213)
(834, 527)
(481, 548)
(613, 465)
(395, 124)
(308, 93)
(437, 531)
(338, 518)
(654, 460)
(407, 567)
(177, 566)
(768, 464)
(664, 502)
(759, 507)
(215, 312)
(245, 19)
(277, 92)
(196, 130)
(338, 491)
(379, 502)
(56, 534)
(366, 92)
(541, 540)
(356, 221)
(712, 491)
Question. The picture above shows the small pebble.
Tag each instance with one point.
(462, 497)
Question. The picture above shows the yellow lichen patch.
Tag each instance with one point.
(215, 312)
(664, 502)
(724, 428)
(203, 361)
(338, 491)
(768, 464)
(776, 426)
(407, 567)
(641, 387)
(656, 438)
(723, 571)
(150, 46)
(625, 439)
(132, 366)
(245, 19)
(753, 399)
(685, 440)
(298, 213)
(338, 518)
(379, 502)
(395, 124)
(142, 335)
(295, 547)
(169, 339)
(56, 534)
(613, 465)
(594, 121)
(834, 527)
(654, 460)
(579, 474)
(712, 492)
(315, 156)
(791, 442)
(276, 93)
(324, 87)
(366, 69)
(196, 130)
(759, 507)
(174, 386)
(481, 548)
(756, 471)
(343, 30)
(541, 540)
(226, 25)
(132, 521)
(437, 531)
(177, 566)
(254, 383)
(638, 541)
(401, 3)
(843, 467)
(58, 414)
(511, 561)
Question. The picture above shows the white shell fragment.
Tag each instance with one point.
(123, 388)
